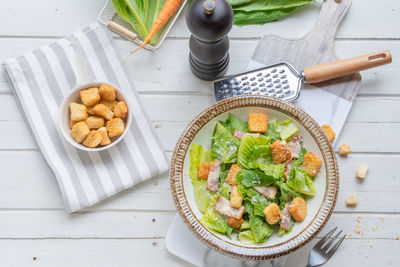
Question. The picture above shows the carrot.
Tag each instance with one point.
(168, 9)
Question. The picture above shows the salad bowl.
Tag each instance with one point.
(320, 207)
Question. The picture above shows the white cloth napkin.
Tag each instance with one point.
(325, 108)
(42, 78)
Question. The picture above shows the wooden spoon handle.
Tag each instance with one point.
(327, 71)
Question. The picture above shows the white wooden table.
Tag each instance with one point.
(129, 229)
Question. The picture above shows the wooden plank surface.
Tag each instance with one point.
(120, 231)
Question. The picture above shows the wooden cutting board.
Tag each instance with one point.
(314, 48)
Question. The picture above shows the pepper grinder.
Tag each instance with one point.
(209, 21)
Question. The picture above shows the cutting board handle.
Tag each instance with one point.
(331, 15)
(327, 71)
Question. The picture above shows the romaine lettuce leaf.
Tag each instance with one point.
(272, 133)
(287, 194)
(258, 201)
(198, 155)
(286, 129)
(274, 170)
(250, 178)
(201, 195)
(224, 146)
(299, 181)
(246, 237)
(245, 225)
(258, 226)
(251, 151)
(214, 220)
(299, 161)
(234, 123)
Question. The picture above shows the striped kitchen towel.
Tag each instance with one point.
(41, 79)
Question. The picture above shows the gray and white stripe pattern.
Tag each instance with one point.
(41, 79)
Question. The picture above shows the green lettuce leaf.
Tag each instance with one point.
(250, 178)
(297, 162)
(251, 151)
(224, 146)
(299, 181)
(246, 237)
(245, 225)
(272, 133)
(258, 226)
(287, 194)
(214, 221)
(274, 170)
(234, 123)
(286, 129)
(258, 201)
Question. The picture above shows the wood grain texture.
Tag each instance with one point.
(314, 48)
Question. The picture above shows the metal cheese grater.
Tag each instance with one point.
(283, 81)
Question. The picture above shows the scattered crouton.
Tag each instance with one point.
(115, 127)
(235, 223)
(110, 104)
(90, 97)
(298, 209)
(272, 213)
(352, 200)
(95, 122)
(78, 112)
(107, 92)
(329, 132)
(120, 110)
(258, 123)
(103, 111)
(204, 170)
(79, 131)
(93, 139)
(280, 151)
(104, 136)
(311, 164)
(231, 176)
(236, 198)
(344, 150)
(362, 171)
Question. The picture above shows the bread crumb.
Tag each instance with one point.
(352, 200)
(362, 171)
(344, 150)
(329, 132)
(397, 237)
(382, 219)
(358, 219)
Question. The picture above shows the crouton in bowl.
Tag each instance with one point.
(95, 117)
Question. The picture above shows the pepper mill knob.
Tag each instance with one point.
(209, 21)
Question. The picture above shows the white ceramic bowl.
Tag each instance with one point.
(320, 206)
(65, 119)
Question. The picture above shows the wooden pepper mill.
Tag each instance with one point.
(209, 21)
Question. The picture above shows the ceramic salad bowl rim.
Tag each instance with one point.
(242, 251)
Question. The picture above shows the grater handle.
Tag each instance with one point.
(327, 71)
(121, 30)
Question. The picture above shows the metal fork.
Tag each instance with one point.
(323, 250)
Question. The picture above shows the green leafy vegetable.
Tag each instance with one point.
(245, 225)
(258, 201)
(250, 178)
(214, 220)
(286, 129)
(299, 161)
(262, 11)
(272, 133)
(258, 226)
(140, 14)
(287, 194)
(224, 146)
(251, 151)
(246, 237)
(234, 123)
(273, 170)
(299, 181)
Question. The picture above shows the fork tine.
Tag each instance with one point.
(334, 248)
(323, 240)
(328, 244)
